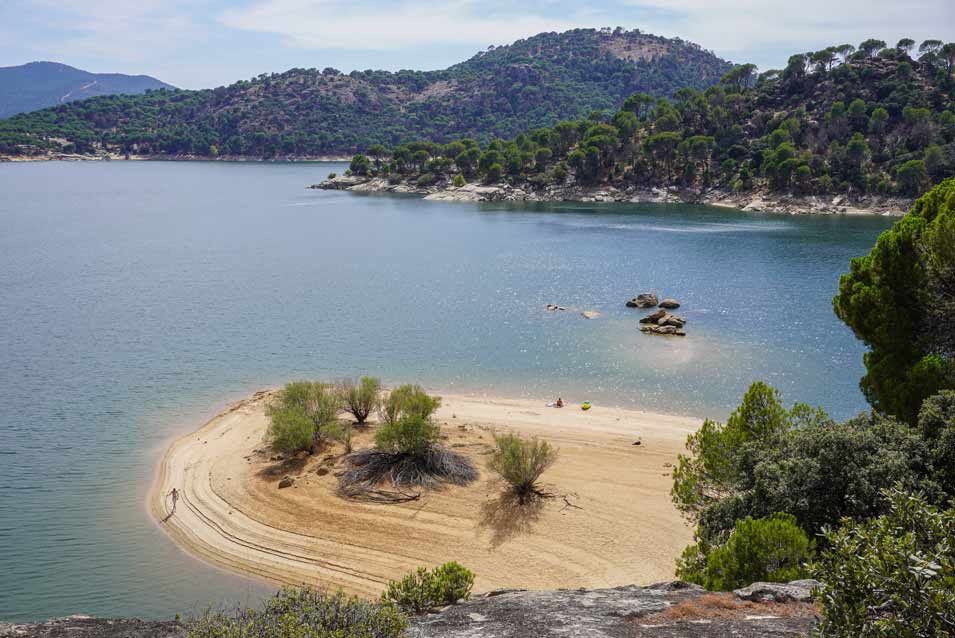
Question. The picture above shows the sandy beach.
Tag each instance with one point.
(610, 523)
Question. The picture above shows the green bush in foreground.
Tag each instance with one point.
(773, 549)
(898, 300)
(423, 590)
(520, 462)
(304, 613)
(891, 576)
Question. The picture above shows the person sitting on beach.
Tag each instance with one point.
(560, 403)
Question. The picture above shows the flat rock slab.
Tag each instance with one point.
(86, 627)
(665, 610)
(621, 612)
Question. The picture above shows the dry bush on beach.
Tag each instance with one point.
(406, 453)
(520, 462)
(429, 468)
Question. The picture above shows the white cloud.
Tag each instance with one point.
(117, 30)
(336, 24)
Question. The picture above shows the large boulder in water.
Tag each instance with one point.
(653, 317)
(643, 300)
(671, 320)
(670, 304)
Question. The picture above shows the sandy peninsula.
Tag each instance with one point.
(611, 522)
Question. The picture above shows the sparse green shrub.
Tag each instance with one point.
(773, 549)
(300, 613)
(426, 179)
(408, 400)
(520, 462)
(891, 576)
(459, 180)
(291, 430)
(406, 451)
(360, 399)
(408, 435)
(423, 590)
(301, 400)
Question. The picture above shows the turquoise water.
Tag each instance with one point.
(137, 298)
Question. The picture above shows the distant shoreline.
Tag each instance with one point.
(756, 201)
(76, 157)
(232, 513)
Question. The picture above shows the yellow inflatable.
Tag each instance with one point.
(585, 405)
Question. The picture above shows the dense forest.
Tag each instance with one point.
(306, 112)
(867, 119)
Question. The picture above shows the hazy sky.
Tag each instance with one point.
(203, 43)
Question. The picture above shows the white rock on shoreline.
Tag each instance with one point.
(750, 202)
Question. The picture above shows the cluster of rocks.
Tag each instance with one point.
(663, 610)
(659, 322)
(662, 322)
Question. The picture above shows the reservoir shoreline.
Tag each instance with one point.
(232, 514)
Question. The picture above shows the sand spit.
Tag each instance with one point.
(610, 524)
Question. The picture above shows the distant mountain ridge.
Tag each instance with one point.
(37, 85)
(534, 82)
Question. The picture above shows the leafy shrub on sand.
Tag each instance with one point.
(408, 401)
(407, 450)
(296, 403)
(409, 435)
(360, 399)
(423, 590)
(893, 575)
(520, 462)
(291, 430)
(773, 549)
(294, 613)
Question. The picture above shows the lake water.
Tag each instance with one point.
(138, 298)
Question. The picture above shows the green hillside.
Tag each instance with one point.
(497, 93)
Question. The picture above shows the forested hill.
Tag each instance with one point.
(306, 112)
(875, 119)
(37, 85)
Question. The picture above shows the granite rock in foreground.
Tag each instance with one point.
(665, 610)
(87, 627)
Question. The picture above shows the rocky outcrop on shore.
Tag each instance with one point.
(569, 191)
(664, 610)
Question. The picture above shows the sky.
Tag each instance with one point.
(206, 43)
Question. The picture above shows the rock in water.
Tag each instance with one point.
(653, 317)
(662, 330)
(670, 304)
(643, 300)
(671, 320)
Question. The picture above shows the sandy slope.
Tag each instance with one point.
(611, 524)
